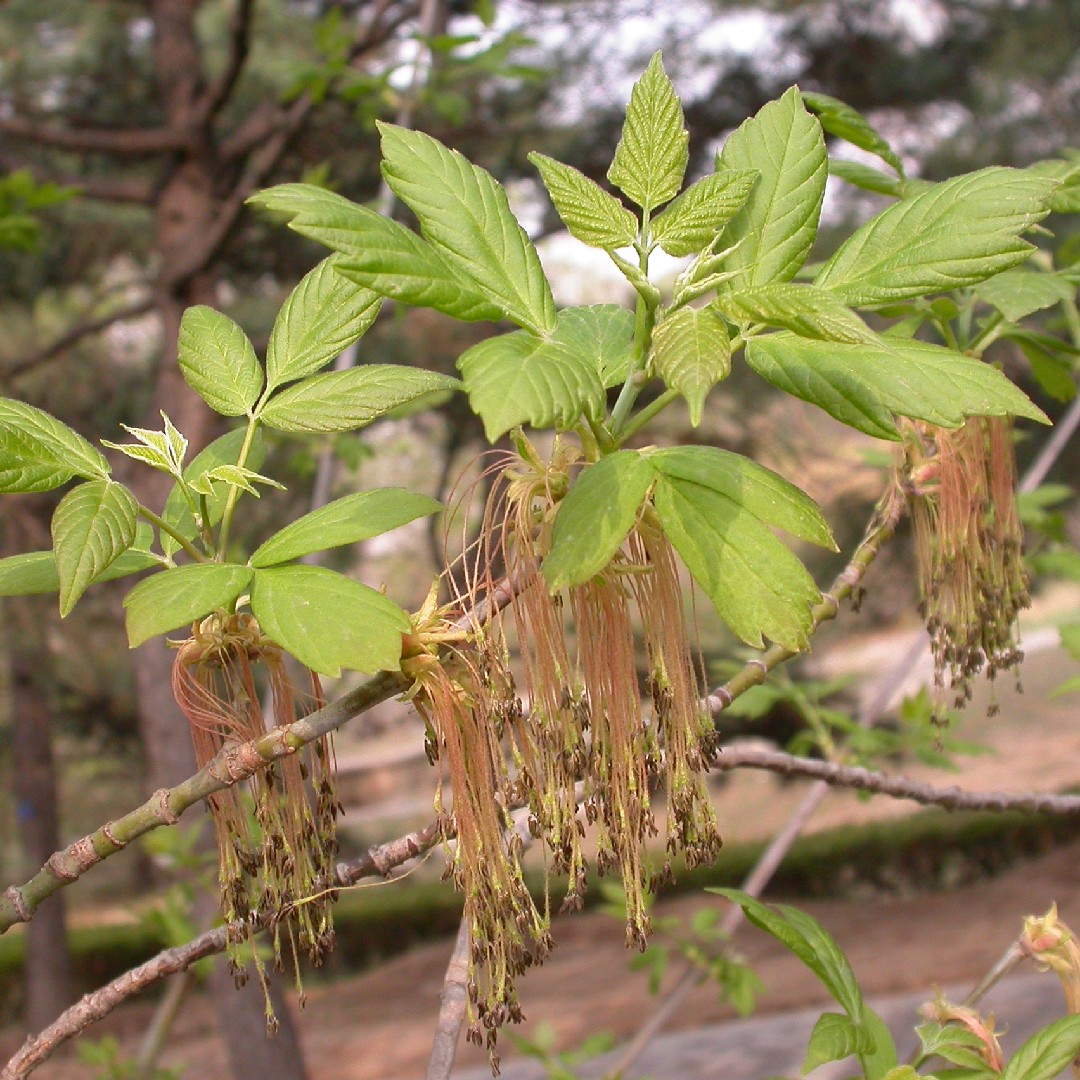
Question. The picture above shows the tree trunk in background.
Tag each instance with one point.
(24, 707)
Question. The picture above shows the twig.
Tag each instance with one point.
(898, 787)
(218, 93)
(453, 1002)
(92, 1007)
(75, 335)
(122, 142)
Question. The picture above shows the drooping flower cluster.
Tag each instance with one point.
(276, 834)
(969, 545)
(582, 751)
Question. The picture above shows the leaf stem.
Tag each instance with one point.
(234, 492)
(645, 414)
(987, 335)
(163, 526)
(644, 318)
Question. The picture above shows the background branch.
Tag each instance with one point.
(122, 142)
(220, 90)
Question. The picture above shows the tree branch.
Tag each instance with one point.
(220, 90)
(94, 1006)
(74, 335)
(120, 142)
(898, 787)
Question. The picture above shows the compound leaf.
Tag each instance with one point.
(756, 584)
(347, 400)
(328, 621)
(218, 361)
(864, 385)
(518, 378)
(947, 236)
(465, 215)
(841, 120)
(696, 218)
(323, 315)
(650, 160)
(778, 223)
(595, 517)
(691, 352)
(606, 331)
(93, 525)
(344, 521)
(589, 213)
(180, 595)
(39, 453)
(806, 310)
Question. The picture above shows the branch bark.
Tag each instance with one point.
(75, 334)
(92, 1007)
(120, 142)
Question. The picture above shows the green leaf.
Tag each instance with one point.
(39, 453)
(517, 378)
(1070, 639)
(1053, 372)
(805, 310)
(691, 352)
(650, 160)
(605, 331)
(1064, 563)
(834, 1038)
(180, 595)
(841, 120)
(806, 938)
(1047, 1052)
(328, 621)
(950, 235)
(379, 254)
(34, 572)
(697, 217)
(323, 316)
(237, 476)
(591, 214)
(1066, 197)
(777, 226)
(955, 1043)
(756, 584)
(344, 521)
(765, 494)
(864, 385)
(1017, 293)
(464, 213)
(92, 526)
(218, 361)
(867, 177)
(347, 400)
(595, 517)
(222, 451)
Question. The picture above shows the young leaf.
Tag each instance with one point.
(864, 385)
(1053, 372)
(328, 621)
(1017, 293)
(222, 451)
(867, 177)
(218, 361)
(805, 310)
(464, 213)
(39, 453)
(237, 476)
(518, 378)
(1047, 1052)
(777, 226)
(323, 315)
(950, 235)
(606, 331)
(846, 123)
(650, 160)
(344, 521)
(180, 595)
(379, 254)
(691, 352)
(697, 217)
(92, 526)
(347, 400)
(589, 213)
(595, 517)
(34, 572)
(765, 494)
(756, 584)
(834, 1038)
